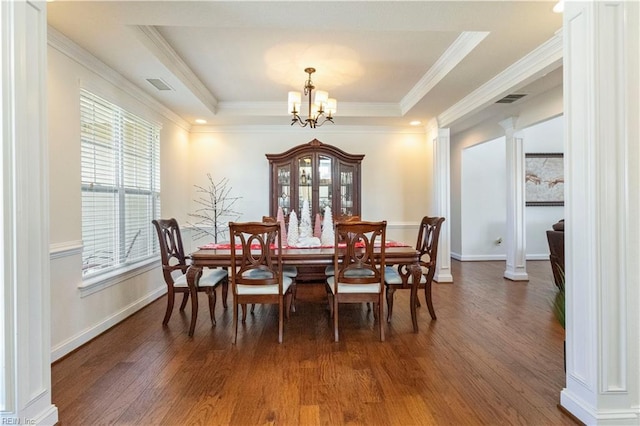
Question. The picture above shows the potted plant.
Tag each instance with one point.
(558, 307)
(558, 304)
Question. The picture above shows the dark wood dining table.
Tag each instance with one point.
(394, 255)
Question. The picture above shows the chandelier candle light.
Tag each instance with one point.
(322, 106)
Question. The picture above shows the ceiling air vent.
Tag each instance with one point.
(159, 84)
(510, 99)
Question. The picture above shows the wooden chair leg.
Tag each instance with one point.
(183, 304)
(280, 318)
(193, 276)
(329, 299)
(244, 313)
(427, 296)
(194, 312)
(335, 318)
(170, 300)
(288, 300)
(380, 320)
(225, 291)
(235, 322)
(390, 292)
(211, 293)
(294, 289)
(416, 274)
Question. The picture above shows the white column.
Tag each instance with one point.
(442, 184)
(515, 238)
(25, 305)
(602, 211)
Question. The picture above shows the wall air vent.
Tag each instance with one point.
(510, 99)
(159, 84)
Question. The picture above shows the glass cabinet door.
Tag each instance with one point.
(305, 182)
(347, 193)
(284, 187)
(325, 183)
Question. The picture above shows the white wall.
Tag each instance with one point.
(77, 316)
(530, 113)
(484, 193)
(483, 203)
(396, 170)
(542, 137)
(396, 184)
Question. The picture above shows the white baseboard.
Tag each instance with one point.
(83, 337)
(590, 416)
(489, 257)
(538, 256)
(47, 418)
(478, 257)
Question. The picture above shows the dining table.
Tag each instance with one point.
(219, 256)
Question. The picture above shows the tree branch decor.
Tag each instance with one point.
(215, 211)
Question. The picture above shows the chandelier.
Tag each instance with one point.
(322, 107)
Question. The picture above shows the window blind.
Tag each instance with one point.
(120, 162)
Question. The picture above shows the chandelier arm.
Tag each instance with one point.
(299, 121)
(325, 120)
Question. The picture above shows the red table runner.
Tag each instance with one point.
(227, 246)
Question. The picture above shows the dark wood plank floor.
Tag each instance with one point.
(494, 356)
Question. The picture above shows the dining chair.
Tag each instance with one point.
(400, 277)
(256, 270)
(290, 271)
(359, 269)
(328, 270)
(174, 270)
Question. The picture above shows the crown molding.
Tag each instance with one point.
(64, 45)
(459, 49)
(276, 109)
(286, 128)
(543, 59)
(162, 50)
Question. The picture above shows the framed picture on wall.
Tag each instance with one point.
(544, 179)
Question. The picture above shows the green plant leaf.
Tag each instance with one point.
(558, 306)
(558, 303)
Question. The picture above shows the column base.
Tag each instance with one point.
(516, 276)
(443, 277)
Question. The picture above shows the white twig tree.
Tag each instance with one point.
(215, 211)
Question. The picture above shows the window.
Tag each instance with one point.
(120, 186)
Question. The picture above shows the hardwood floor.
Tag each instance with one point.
(494, 356)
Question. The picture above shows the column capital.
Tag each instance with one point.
(509, 123)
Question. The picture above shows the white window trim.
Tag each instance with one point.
(119, 275)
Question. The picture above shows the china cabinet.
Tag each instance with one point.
(322, 174)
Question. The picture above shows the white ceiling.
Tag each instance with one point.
(233, 62)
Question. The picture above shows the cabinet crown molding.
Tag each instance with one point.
(316, 146)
